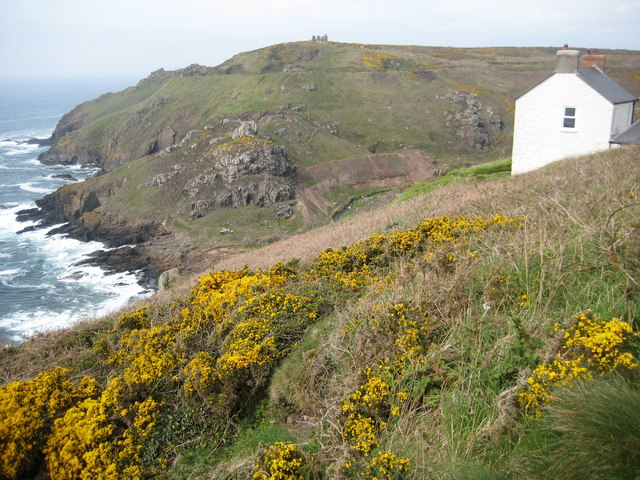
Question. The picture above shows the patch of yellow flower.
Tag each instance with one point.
(367, 411)
(375, 60)
(278, 461)
(239, 145)
(590, 346)
(385, 466)
(27, 412)
(354, 266)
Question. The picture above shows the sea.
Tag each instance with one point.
(41, 285)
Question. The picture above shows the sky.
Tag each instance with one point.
(132, 38)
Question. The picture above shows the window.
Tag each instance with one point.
(569, 117)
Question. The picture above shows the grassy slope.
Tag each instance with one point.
(578, 250)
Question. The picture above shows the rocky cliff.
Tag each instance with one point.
(221, 166)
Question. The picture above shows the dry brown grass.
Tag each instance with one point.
(534, 195)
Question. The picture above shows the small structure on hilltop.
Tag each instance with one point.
(577, 110)
(320, 38)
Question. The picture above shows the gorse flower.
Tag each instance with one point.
(385, 466)
(279, 461)
(591, 346)
(27, 412)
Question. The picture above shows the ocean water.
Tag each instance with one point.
(40, 286)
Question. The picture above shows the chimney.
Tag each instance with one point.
(591, 59)
(567, 60)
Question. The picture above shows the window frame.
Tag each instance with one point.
(566, 116)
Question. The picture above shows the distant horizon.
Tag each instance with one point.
(137, 77)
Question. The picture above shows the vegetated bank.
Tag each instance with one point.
(495, 338)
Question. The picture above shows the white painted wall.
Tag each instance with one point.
(539, 137)
(622, 118)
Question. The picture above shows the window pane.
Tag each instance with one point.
(569, 112)
(569, 123)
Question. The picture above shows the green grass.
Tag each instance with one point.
(592, 430)
(486, 171)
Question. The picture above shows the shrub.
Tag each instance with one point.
(279, 461)
(27, 412)
(590, 346)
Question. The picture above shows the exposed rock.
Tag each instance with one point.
(294, 67)
(200, 208)
(476, 129)
(270, 160)
(284, 211)
(65, 176)
(245, 129)
(167, 279)
(41, 142)
(159, 179)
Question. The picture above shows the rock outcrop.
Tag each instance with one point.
(221, 166)
(473, 124)
(247, 170)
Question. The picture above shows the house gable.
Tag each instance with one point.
(574, 111)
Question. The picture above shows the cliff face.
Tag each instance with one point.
(222, 166)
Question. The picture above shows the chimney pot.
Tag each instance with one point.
(567, 61)
(592, 60)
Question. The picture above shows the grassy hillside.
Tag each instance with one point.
(481, 329)
(324, 102)
(392, 97)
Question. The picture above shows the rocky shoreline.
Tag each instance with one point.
(144, 249)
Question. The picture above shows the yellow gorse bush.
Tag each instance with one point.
(212, 351)
(354, 266)
(385, 466)
(367, 412)
(85, 443)
(27, 412)
(591, 346)
(278, 461)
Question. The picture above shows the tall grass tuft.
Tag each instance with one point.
(592, 430)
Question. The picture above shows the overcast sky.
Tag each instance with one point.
(78, 38)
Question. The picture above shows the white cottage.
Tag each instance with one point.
(575, 111)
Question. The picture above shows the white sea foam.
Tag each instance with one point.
(8, 222)
(30, 187)
(11, 272)
(118, 290)
(20, 148)
(25, 323)
(107, 291)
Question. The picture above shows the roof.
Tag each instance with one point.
(605, 85)
(600, 82)
(630, 135)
